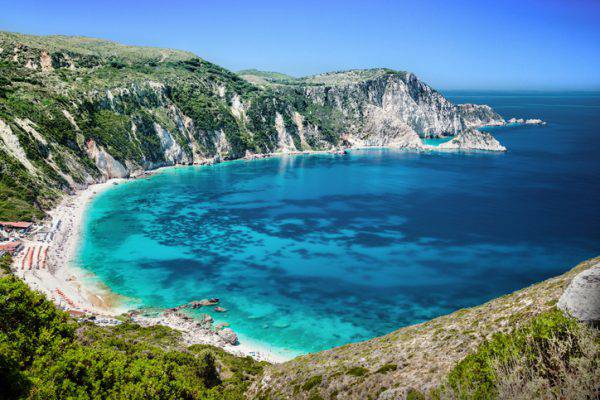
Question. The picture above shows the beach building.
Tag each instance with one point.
(10, 229)
(19, 226)
(76, 313)
(11, 247)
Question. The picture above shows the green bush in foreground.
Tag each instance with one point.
(552, 357)
(46, 355)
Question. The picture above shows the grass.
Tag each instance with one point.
(103, 49)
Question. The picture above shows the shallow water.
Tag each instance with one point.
(310, 252)
(437, 141)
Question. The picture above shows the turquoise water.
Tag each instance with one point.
(437, 141)
(310, 252)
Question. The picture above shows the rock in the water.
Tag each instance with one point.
(522, 121)
(228, 335)
(472, 139)
(220, 309)
(203, 302)
(581, 299)
(221, 326)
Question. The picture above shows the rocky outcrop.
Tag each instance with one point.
(228, 335)
(522, 121)
(581, 299)
(472, 139)
(128, 109)
(477, 115)
(13, 147)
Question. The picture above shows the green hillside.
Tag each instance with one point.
(59, 93)
(46, 355)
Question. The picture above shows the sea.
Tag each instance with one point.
(309, 252)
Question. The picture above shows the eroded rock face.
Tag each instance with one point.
(581, 299)
(106, 164)
(476, 115)
(11, 144)
(120, 127)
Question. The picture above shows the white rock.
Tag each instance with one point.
(285, 141)
(581, 299)
(13, 146)
(109, 167)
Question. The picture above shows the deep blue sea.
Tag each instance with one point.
(309, 252)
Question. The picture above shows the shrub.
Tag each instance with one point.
(312, 382)
(42, 357)
(387, 368)
(553, 356)
(357, 371)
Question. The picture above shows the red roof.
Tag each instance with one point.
(76, 313)
(10, 246)
(18, 224)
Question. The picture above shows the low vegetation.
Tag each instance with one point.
(552, 357)
(46, 355)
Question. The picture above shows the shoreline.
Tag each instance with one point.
(54, 274)
(46, 263)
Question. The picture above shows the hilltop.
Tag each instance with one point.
(96, 48)
(336, 78)
(267, 78)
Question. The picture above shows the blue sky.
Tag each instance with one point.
(450, 44)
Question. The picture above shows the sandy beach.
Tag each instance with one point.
(45, 263)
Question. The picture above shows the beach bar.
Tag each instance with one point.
(10, 228)
(20, 226)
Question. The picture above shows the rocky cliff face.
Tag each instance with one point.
(379, 101)
(97, 110)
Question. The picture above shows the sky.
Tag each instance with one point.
(501, 44)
